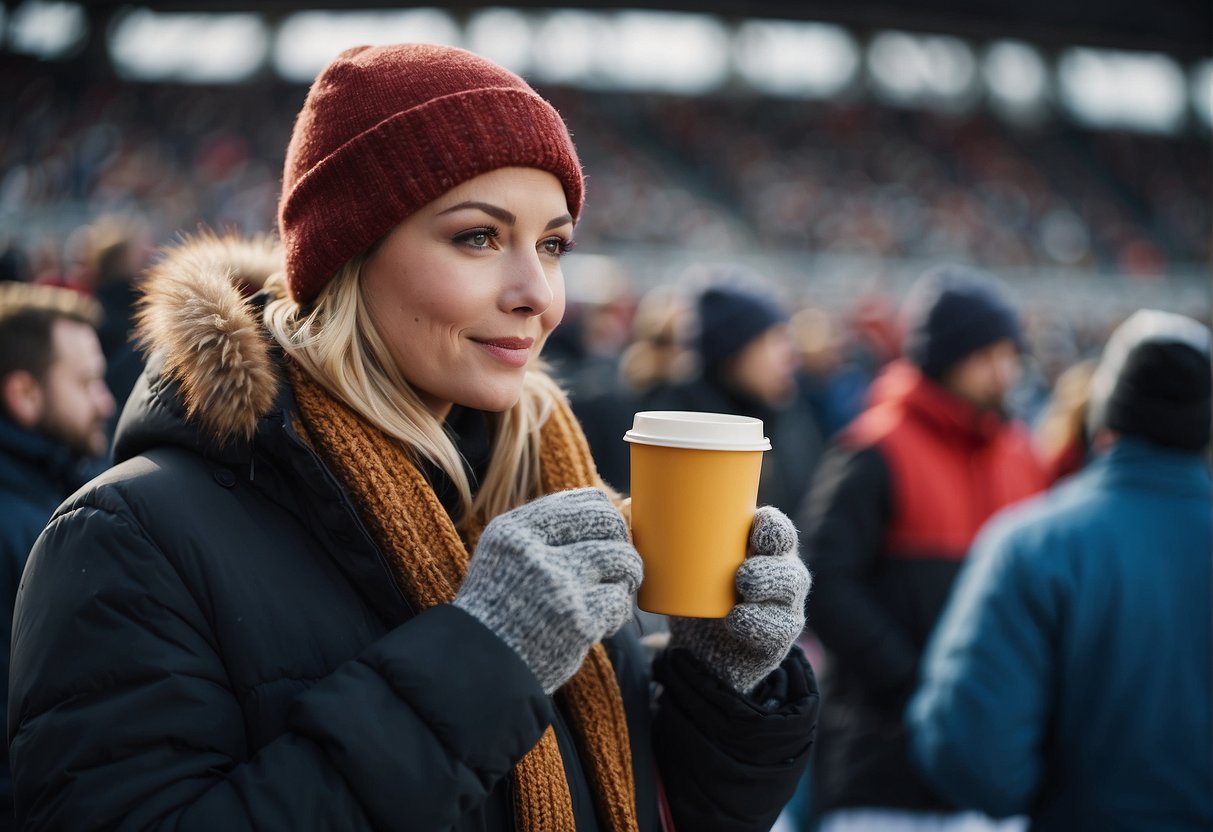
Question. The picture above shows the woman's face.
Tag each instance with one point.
(466, 291)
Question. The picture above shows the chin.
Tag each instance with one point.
(493, 401)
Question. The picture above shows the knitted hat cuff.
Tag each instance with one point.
(953, 345)
(951, 312)
(324, 221)
(1173, 424)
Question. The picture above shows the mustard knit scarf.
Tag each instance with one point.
(403, 514)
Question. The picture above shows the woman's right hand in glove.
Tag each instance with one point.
(552, 578)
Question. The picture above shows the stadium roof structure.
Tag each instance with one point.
(1181, 28)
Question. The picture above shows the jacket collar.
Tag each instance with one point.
(210, 375)
(1137, 462)
(215, 382)
(901, 384)
(32, 457)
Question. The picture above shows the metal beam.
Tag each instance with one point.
(1182, 28)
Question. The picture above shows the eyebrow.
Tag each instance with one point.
(504, 215)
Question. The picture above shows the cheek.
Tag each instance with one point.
(785, 358)
(60, 412)
(85, 404)
(406, 318)
(554, 314)
(1014, 370)
(772, 363)
(1006, 374)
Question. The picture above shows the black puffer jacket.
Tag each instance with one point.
(206, 638)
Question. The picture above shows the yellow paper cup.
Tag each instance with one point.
(694, 492)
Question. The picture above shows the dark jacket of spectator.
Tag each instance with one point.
(36, 474)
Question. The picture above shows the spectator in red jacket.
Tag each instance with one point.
(896, 503)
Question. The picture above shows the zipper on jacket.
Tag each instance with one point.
(509, 785)
(346, 504)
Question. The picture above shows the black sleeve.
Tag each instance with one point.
(12, 561)
(729, 763)
(844, 521)
(122, 714)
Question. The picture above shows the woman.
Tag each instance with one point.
(266, 615)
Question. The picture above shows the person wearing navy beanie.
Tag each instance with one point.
(729, 319)
(898, 499)
(951, 313)
(747, 366)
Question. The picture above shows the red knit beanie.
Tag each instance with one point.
(386, 130)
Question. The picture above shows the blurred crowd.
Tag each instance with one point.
(713, 174)
(85, 161)
(869, 179)
(628, 351)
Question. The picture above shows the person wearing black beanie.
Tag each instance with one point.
(952, 312)
(1069, 678)
(898, 499)
(730, 318)
(1154, 382)
(747, 366)
(962, 332)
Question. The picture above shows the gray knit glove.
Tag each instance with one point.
(743, 648)
(552, 578)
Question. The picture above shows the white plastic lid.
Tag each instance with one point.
(703, 431)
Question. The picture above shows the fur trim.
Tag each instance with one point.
(194, 308)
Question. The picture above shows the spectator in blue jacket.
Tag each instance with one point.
(1069, 677)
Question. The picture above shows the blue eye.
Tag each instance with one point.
(556, 246)
(475, 237)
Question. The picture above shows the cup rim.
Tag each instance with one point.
(697, 430)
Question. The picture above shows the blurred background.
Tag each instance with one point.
(837, 149)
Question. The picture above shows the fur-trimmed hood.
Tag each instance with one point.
(200, 331)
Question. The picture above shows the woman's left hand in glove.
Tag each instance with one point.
(743, 648)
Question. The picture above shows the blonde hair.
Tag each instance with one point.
(336, 342)
(54, 301)
(1065, 415)
(657, 354)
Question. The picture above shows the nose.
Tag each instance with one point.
(103, 399)
(786, 357)
(528, 288)
(1010, 370)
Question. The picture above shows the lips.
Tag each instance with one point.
(508, 343)
(513, 352)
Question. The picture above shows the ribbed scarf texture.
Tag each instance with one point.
(429, 559)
